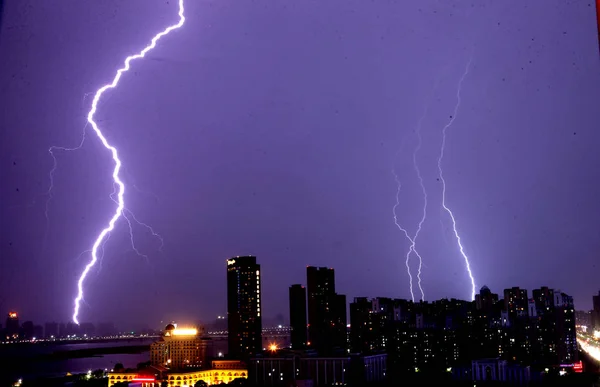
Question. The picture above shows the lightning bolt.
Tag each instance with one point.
(413, 240)
(119, 185)
(51, 150)
(441, 175)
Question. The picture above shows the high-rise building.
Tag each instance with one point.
(486, 300)
(596, 312)
(244, 321)
(326, 311)
(299, 336)
(51, 330)
(370, 321)
(566, 336)
(179, 349)
(27, 330)
(515, 303)
(12, 325)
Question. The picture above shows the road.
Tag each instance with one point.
(589, 345)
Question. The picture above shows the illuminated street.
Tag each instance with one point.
(589, 344)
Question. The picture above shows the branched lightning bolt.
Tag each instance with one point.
(441, 175)
(424, 192)
(121, 187)
(51, 150)
(413, 240)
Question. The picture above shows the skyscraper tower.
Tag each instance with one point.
(243, 306)
(326, 311)
(12, 325)
(299, 335)
(596, 312)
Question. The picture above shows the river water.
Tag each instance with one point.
(22, 367)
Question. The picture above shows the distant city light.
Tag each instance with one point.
(273, 347)
(12, 315)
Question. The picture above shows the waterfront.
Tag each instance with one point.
(41, 360)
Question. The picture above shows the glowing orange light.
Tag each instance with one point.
(185, 332)
(136, 379)
(273, 347)
(12, 315)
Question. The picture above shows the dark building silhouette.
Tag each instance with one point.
(50, 330)
(596, 312)
(12, 325)
(244, 321)
(515, 303)
(38, 331)
(326, 311)
(566, 335)
(87, 329)
(299, 334)
(107, 329)
(486, 300)
(27, 330)
(450, 334)
(370, 321)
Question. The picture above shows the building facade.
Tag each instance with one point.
(299, 333)
(219, 372)
(12, 326)
(288, 368)
(327, 318)
(244, 320)
(180, 349)
(596, 312)
(446, 334)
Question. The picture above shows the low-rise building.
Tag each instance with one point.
(221, 371)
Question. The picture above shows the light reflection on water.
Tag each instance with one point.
(20, 364)
(83, 365)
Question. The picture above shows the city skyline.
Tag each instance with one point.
(322, 280)
(273, 131)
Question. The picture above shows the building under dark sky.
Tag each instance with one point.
(243, 306)
(326, 310)
(299, 335)
(317, 146)
(12, 324)
(515, 302)
(596, 312)
(486, 300)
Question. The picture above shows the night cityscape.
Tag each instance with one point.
(299, 193)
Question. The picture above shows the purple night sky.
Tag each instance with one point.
(271, 128)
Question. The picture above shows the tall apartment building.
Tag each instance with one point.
(596, 312)
(244, 322)
(449, 333)
(327, 319)
(515, 303)
(12, 325)
(299, 334)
